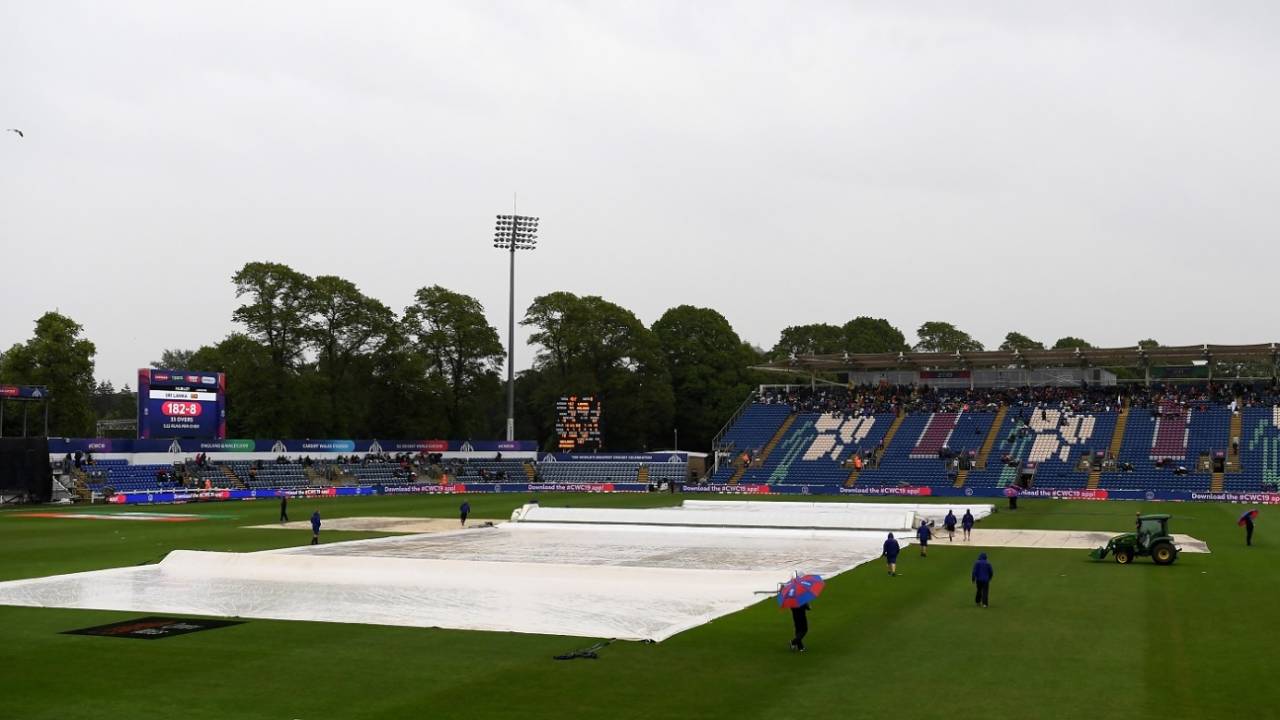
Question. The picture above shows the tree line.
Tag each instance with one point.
(317, 357)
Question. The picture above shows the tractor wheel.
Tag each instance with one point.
(1163, 554)
(1124, 556)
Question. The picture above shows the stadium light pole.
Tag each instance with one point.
(513, 232)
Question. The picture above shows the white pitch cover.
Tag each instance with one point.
(617, 577)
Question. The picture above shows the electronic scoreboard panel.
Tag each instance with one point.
(181, 404)
(578, 423)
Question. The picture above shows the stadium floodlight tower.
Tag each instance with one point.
(512, 233)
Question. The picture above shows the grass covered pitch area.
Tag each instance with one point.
(1065, 637)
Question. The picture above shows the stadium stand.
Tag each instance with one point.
(754, 427)
(1052, 437)
(1179, 438)
(930, 448)
(1049, 442)
(1259, 451)
(118, 476)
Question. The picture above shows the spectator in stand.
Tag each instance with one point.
(981, 576)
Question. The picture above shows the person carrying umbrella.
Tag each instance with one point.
(800, 621)
(923, 533)
(796, 595)
(949, 522)
(891, 549)
(981, 576)
(966, 522)
(1246, 520)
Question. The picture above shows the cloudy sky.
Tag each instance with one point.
(1102, 169)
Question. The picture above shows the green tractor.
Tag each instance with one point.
(1151, 537)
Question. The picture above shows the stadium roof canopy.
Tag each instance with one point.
(1072, 357)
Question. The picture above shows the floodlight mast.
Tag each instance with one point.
(513, 232)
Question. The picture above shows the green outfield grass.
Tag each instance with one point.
(1065, 637)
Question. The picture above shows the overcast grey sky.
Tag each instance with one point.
(1102, 169)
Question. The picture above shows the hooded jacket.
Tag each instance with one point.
(950, 519)
(923, 532)
(315, 521)
(982, 570)
(967, 520)
(891, 547)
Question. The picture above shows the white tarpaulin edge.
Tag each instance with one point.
(781, 517)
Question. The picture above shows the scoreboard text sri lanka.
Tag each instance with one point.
(181, 404)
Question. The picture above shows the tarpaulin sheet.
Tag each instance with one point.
(780, 515)
(637, 581)
(929, 511)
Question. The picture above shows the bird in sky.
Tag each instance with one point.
(15, 130)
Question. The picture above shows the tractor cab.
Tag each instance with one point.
(1150, 527)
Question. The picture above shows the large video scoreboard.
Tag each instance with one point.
(578, 423)
(181, 404)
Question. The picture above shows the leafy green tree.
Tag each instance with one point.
(814, 339)
(708, 364)
(406, 398)
(276, 312)
(255, 405)
(461, 349)
(590, 346)
(1018, 341)
(549, 316)
(873, 335)
(108, 403)
(1148, 344)
(274, 317)
(937, 336)
(341, 324)
(58, 357)
(175, 360)
(1069, 343)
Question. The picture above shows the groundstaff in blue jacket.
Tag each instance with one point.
(981, 575)
(891, 554)
(923, 533)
